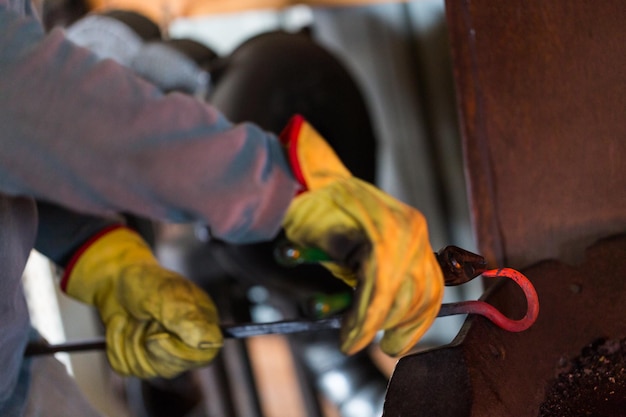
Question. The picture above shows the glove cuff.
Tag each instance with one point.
(289, 138)
(313, 162)
(81, 250)
(97, 264)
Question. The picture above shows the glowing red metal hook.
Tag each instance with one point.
(487, 310)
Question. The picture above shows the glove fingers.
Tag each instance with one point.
(361, 322)
(414, 291)
(411, 306)
(116, 340)
(407, 293)
(379, 268)
(400, 339)
(125, 339)
(195, 324)
(406, 303)
(187, 311)
(401, 335)
(146, 350)
(170, 356)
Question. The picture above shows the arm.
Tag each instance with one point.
(91, 135)
(61, 232)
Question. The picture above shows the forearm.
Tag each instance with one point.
(62, 232)
(91, 135)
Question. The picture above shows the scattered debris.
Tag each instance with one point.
(592, 384)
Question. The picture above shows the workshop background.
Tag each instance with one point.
(399, 56)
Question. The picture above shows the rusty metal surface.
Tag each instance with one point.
(542, 94)
(487, 372)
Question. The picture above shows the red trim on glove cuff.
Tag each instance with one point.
(76, 256)
(289, 137)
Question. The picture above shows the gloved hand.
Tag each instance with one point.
(380, 245)
(157, 322)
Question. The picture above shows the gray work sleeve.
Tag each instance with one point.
(61, 232)
(91, 135)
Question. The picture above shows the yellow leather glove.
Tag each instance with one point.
(157, 322)
(380, 246)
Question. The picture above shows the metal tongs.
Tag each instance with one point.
(459, 266)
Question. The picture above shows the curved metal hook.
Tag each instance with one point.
(487, 310)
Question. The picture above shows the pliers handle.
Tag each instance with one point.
(458, 266)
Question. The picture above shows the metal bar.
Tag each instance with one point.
(235, 331)
(242, 331)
